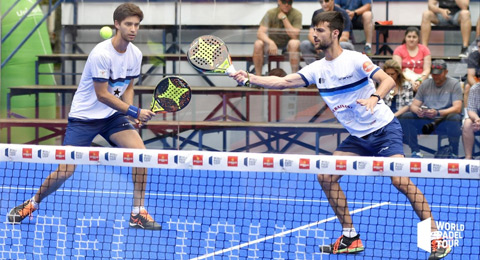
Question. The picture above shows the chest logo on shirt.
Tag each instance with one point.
(368, 66)
(321, 81)
(116, 92)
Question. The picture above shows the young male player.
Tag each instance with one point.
(344, 80)
(100, 106)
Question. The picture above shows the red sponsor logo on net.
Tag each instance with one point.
(162, 158)
(198, 160)
(453, 168)
(94, 156)
(232, 161)
(268, 162)
(416, 167)
(304, 164)
(341, 165)
(60, 154)
(377, 166)
(27, 153)
(128, 157)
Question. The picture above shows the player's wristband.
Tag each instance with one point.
(377, 96)
(133, 111)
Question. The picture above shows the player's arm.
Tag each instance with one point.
(386, 83)
(290, 81)
(101, 90)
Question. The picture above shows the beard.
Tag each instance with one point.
(322, 46)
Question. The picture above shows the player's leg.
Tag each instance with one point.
(293, 49)
(428, 17)
(122, 134)
(78, 133)
(258, 52)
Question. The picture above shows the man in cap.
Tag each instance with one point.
(438, 105)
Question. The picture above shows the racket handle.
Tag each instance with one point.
(231, 69)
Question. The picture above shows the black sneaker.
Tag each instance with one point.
(463, 52)
(20, 212)
(439, 252)
(143, 220)
(344, 245)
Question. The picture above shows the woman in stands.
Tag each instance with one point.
(401, 95)
(414, 58)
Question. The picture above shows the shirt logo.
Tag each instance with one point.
(368, 66)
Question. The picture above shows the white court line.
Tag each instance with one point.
(284, 233)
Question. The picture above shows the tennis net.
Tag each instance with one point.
(215, 205)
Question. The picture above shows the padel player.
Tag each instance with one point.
(101, 105)
(345, 81)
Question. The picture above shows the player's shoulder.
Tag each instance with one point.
(135, 49)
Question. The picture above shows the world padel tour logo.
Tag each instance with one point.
(144, 158)
(27, 153)
(198, 160)
(94, 156)
(232, 161)
(162, 158)
(75, 155)
(341, 165)
(214, 160)
(128, 157)
(450, 234)
(453, 168)
(395, 166)
(416, 167)
(322, 164)
(43, 153)
(304, 164)
(110, 156)
(377, 166)
(470, 168)
(268, 162)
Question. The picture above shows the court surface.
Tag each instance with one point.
(224, 215)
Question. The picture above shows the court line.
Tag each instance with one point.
(232, 197)
(285, 232)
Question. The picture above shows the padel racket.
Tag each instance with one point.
(208, 53)
(171, 94)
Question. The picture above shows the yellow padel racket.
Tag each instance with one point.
(208, 53)
(171, 94)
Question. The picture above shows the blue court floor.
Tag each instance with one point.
(225, 215)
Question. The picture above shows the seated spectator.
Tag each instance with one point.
(279, 30)
(448, 12)
(471, 125)
(473, 71)
(360, 13)
(415, 58)
(307, 47)
(436, 106)
(401, 95)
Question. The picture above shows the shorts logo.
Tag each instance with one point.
(368, 66)
(162, 158)
(341, 165)
(94, 156)
(27, 153)
(377, 166)
(416, 167)
(60, 154)
(128, 157)
(198, 160)
(232, 161)
(267, 162)
(453, 168)
(304, 164)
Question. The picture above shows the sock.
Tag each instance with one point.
(349, 232)
(35, 204)
(136, 210)
(436, 235)
(368, 44)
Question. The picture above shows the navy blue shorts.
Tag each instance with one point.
(386, 141)
(82, 132)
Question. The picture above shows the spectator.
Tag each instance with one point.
(473, 71)
(360, 13)
(309, 53)
(471, 125)
(400, 97)
(415, 58)
(448, 12)
(279, 29)
(438, 102)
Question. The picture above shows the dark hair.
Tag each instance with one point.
(126, 10)
(409, 30)
(335, 21)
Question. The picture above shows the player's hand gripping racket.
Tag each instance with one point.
(171, 94)
(209, 53)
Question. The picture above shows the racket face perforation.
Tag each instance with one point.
(171, 94)
(208, 53)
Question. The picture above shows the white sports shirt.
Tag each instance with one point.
(105, 64)
(341, 82)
